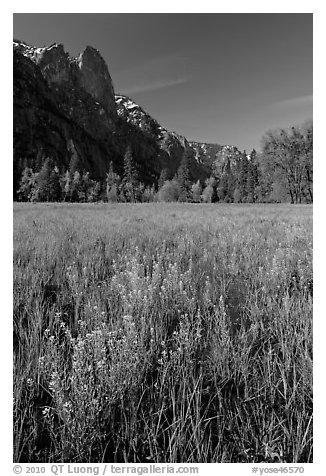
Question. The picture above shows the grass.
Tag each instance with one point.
(162, 333)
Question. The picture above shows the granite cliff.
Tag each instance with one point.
(65, 108)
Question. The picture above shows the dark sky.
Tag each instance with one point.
(224, 78)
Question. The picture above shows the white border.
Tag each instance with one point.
(6, 32)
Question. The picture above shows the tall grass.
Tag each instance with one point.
(162, 333)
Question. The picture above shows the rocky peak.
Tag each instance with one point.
(53, 62)
(66, 107)
(88, 71)
(134, 114)
(95, 78)
(205, 153)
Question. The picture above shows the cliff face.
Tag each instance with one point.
(51, 112)
(93, 76)
(171, 147)
(88, 71)
(66, 108)
(205, 154)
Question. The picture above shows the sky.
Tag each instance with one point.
(220, 78)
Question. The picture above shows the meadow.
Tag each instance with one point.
(162, 333)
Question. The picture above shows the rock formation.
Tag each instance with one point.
(65, 108)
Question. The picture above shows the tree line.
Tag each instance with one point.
(283, 172)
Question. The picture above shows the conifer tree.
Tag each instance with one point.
(42, 190)
(162, 178)
(66, 186)
(94, 191)
(26, 185)
(54, 185)
(76, 186)
(84, 186)
(183, 173)
(129, 172)
(130, 178)
(183, 178)
(112, 184)
(149, 194)
(242, 180)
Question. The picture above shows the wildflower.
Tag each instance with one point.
(67, 406)
(55, 382)
(41, 361)
(100, 364)
(46, 412)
